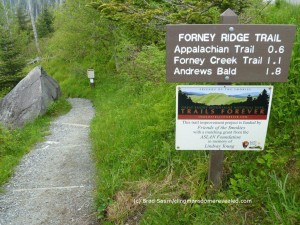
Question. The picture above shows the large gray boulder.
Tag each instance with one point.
(29, 98)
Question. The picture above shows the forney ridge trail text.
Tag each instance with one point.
(243, 53)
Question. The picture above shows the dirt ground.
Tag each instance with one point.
(54, 182)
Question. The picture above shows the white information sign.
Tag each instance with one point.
(90, 73)
(222, 117)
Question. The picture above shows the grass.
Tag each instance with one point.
(216, 99)
(136, 158)
(14, 144)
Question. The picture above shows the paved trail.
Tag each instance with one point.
(54, 182)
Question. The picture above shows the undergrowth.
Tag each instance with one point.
(133, 138)
(137, 161)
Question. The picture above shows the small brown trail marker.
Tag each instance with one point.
(216, 157)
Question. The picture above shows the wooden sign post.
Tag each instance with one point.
(216, 158)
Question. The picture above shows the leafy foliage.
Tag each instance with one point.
(79, 34)
(146, 19)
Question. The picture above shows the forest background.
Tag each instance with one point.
(133, 130)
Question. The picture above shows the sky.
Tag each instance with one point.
(291, 1)
(229, 90)
(294, 1)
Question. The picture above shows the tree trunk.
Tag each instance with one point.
(34, 27)
(6, 15)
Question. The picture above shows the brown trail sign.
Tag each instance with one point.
(228, 52)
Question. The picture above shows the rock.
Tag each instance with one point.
(29, 98)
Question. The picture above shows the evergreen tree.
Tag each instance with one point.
(11, 61)
(23, 20)
(184, 100)
(249, 98)
(263, 98)
(45, 23)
